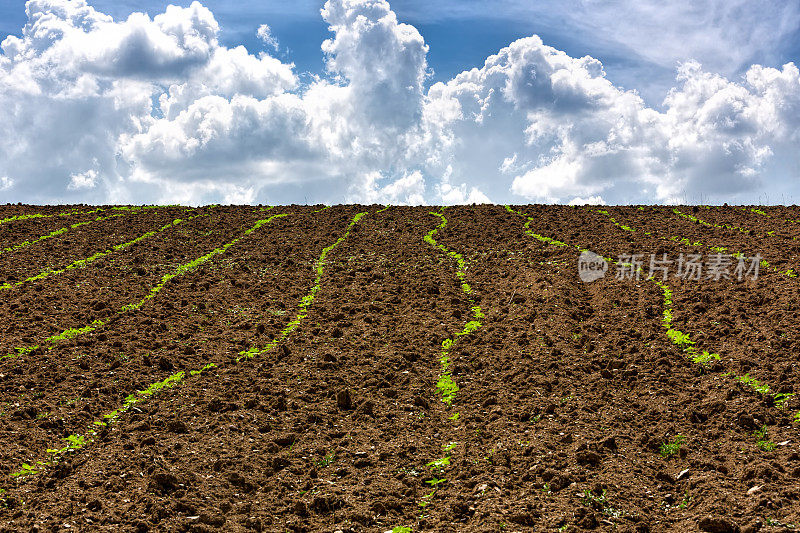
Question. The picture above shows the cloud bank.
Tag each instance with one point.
(157, 110)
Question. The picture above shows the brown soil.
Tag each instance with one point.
(566, 390)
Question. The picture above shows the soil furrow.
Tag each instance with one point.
(98, 428)
(134, 306)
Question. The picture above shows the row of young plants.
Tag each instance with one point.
(718, 226)
(307, 300)
(74, 212)
(180, 270)
(81, 263)
(760, 212)
(764, 263)
(77, 441)
(65, 229)
(683, 240)
(446, 387)
(701, 357)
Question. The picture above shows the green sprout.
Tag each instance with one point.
(670, 448)
(601, 503)
(764, 443)
(326, 461)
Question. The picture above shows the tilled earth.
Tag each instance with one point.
(226, 374)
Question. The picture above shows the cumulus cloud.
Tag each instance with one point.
(562, 130)
(157, 110)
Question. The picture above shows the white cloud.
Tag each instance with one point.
(726, 35)
(407, 190)
(265, 34)
(158, 110)
(461, 194)
(592, 200)
(83, 180)
(645, 39)
(6, 183)
(563, 130)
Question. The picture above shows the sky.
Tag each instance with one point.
(404, 102)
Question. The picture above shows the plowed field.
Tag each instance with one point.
(372, 368)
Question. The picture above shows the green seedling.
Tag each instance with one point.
(209, 366)
(781, 399)
(704, 358)
(27, 470)
(751, 382)
(435, 481)
(326, 461)
(670, 448)
(762, 440)
(426, 501)
(439, 464)
(601, 503)
(777, 523)
(447, 388)
(401, 529)
(679, 338)
(74, 442)
(687, 499)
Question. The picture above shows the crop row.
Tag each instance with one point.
(180, 270)
(683, 240)
(446, 387)
(702, 358)
(65, 229)
(16, 218)
(306, 301)
(760, 212)
(81, 263)
(731, 227)
(764, 263)
(187, 320)
(78, 441)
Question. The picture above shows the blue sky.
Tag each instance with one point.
(642, 49)
(457, 43)
(460, 35)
